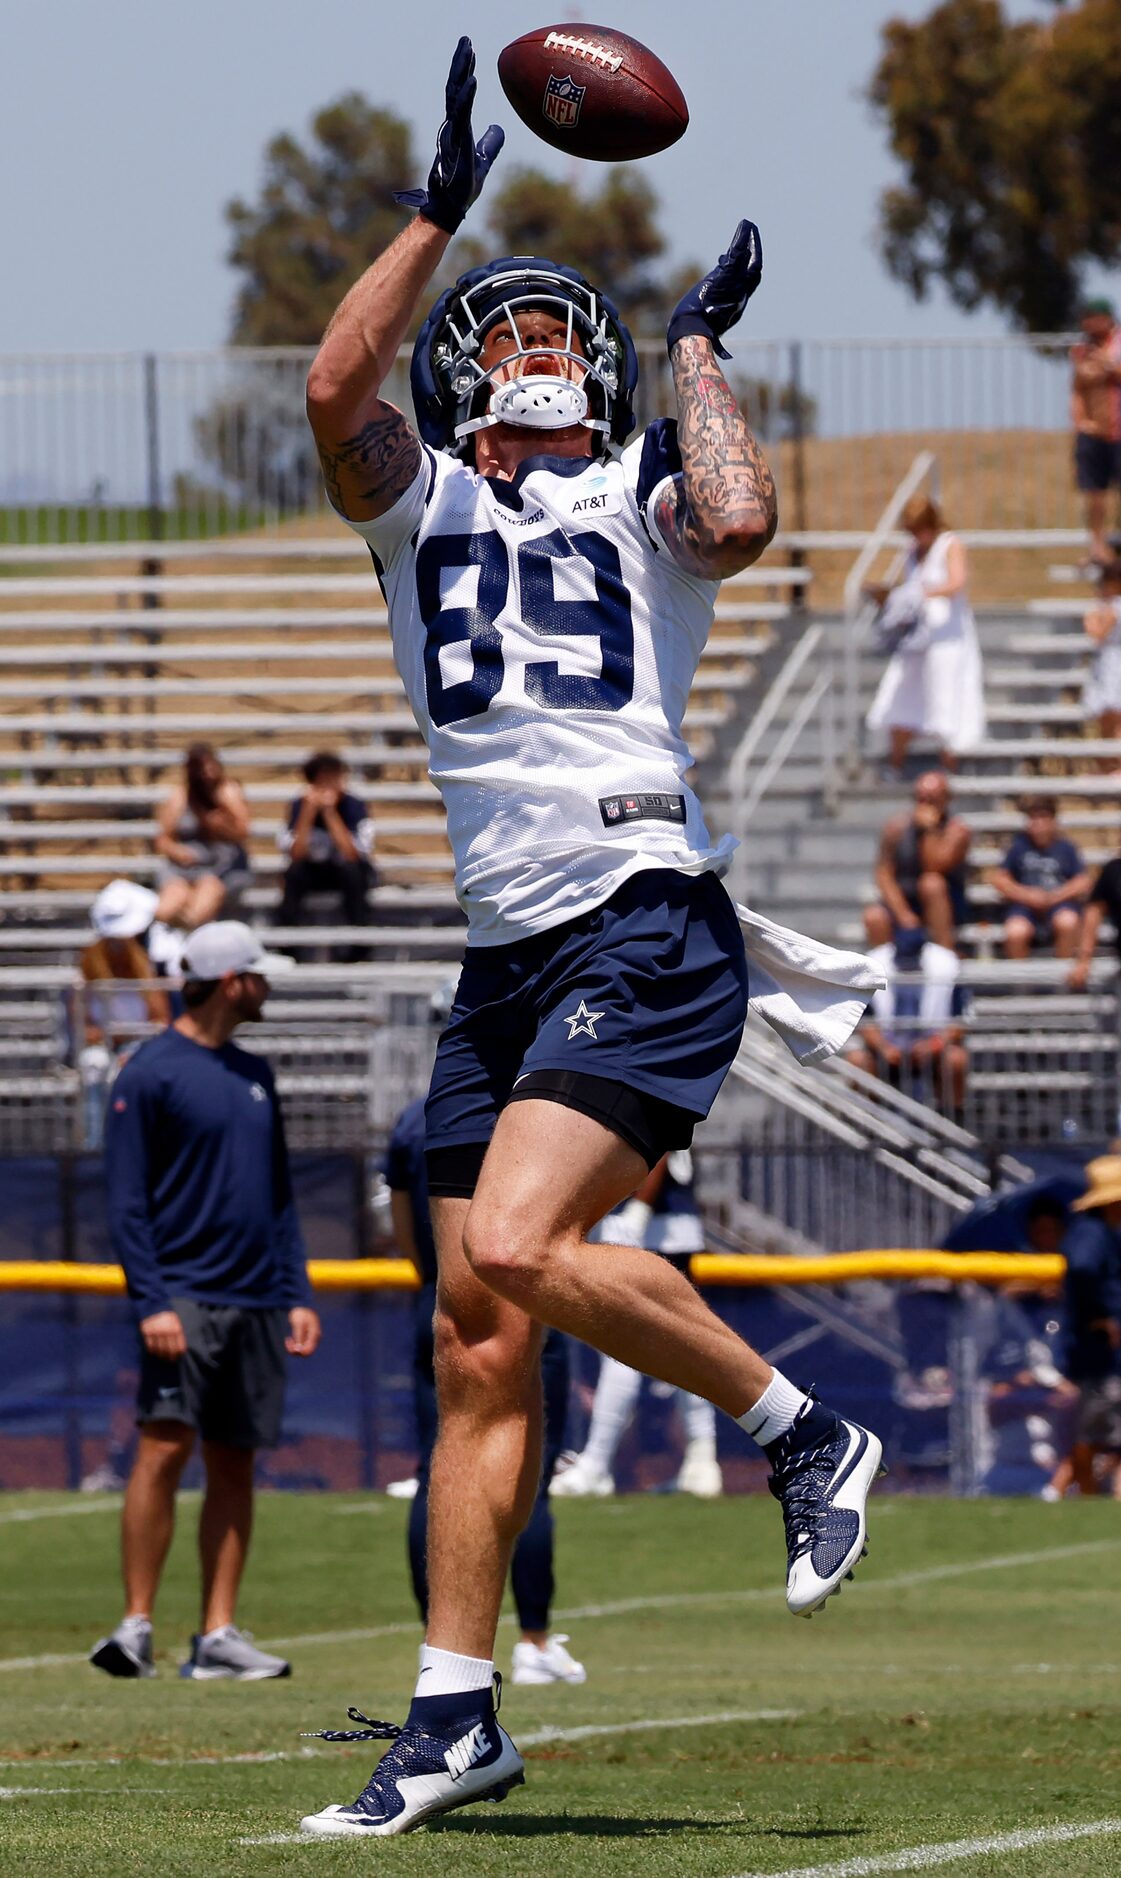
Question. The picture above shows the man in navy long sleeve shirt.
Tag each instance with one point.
(202, 1218)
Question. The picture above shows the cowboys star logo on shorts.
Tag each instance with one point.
(582, 1022)
(562, 101)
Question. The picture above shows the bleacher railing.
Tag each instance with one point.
(178, 446)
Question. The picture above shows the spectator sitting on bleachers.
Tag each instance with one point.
(328, 839)
(204, 826)
(1101, 693)
(1043, 880)
(1104, 900)
(121, 916)
(921, 867)
(912, 1037)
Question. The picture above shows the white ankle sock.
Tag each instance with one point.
(775, 1411)
(617, 1391)
(442, 1672)
(699, 1421)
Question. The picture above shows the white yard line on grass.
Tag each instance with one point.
(109, 1504)
(664, 1601)
(928, 1857)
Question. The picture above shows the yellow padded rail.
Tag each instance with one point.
(709, 1268)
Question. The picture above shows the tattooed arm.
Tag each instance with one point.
(719, 514)
(369, 452)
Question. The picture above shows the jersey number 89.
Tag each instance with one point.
(607, 618)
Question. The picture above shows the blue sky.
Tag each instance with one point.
(125, 127)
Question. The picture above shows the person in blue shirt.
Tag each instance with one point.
(1043, 881)
(539, 1656)
(202, 1218)
(329, 840)
(1092, 1287)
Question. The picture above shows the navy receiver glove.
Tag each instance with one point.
(717, 302)
(461, 165)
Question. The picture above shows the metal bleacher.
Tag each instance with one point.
(113, 659)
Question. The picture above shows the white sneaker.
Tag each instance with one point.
(581, 1479)
(546, 1662)
(401, 1490)
(700, 1475)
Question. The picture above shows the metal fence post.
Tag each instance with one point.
(797, 462)
(152, 444)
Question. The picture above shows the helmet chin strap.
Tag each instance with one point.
(536, 403)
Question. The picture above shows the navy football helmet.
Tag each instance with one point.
(454, 397)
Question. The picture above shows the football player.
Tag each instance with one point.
(550, 588)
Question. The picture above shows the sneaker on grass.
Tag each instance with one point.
(579, 1478)
(127, 1651)
(230, 1652)
(536, 1663)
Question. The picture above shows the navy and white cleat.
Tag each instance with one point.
(450, 1752)
(822, 1474)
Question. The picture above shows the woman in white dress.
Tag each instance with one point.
(1101, 693)
(933, 685)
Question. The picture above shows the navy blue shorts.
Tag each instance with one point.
(632, 1013)
(1097, 463)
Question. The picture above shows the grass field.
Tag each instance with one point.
(965, 1688)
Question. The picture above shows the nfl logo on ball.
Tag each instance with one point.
(563, 98)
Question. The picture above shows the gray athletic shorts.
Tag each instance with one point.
(230, 1384)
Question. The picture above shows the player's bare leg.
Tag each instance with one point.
(225, 1525)
(487, 1461)
(526, 1238)
(550, 1173)
(147, 1525)
(148, 1516)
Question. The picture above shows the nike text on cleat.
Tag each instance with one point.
(535, 1663)
(430, 1768)
(823, 1469)
(230, 1654)
(127, 1651)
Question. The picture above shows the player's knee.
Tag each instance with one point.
(503, 1253)
(479, 1358)
(165, 1448)
(932, 887)
(1065, 920)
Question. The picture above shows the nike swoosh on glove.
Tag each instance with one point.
(462, 165)
(714, 305)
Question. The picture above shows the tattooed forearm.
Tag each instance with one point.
(722, 513)
(377, 464)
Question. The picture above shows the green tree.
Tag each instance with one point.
(324, 212)
(1009, 134)
(609, 233)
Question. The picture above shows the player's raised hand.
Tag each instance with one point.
(714, 305)
(461, 165)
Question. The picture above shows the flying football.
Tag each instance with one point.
(593, 91)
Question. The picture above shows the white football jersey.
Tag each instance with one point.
(547, 642)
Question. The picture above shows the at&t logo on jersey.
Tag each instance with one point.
(562, 101)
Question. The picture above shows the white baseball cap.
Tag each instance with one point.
(123, 910)
(228, 945)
